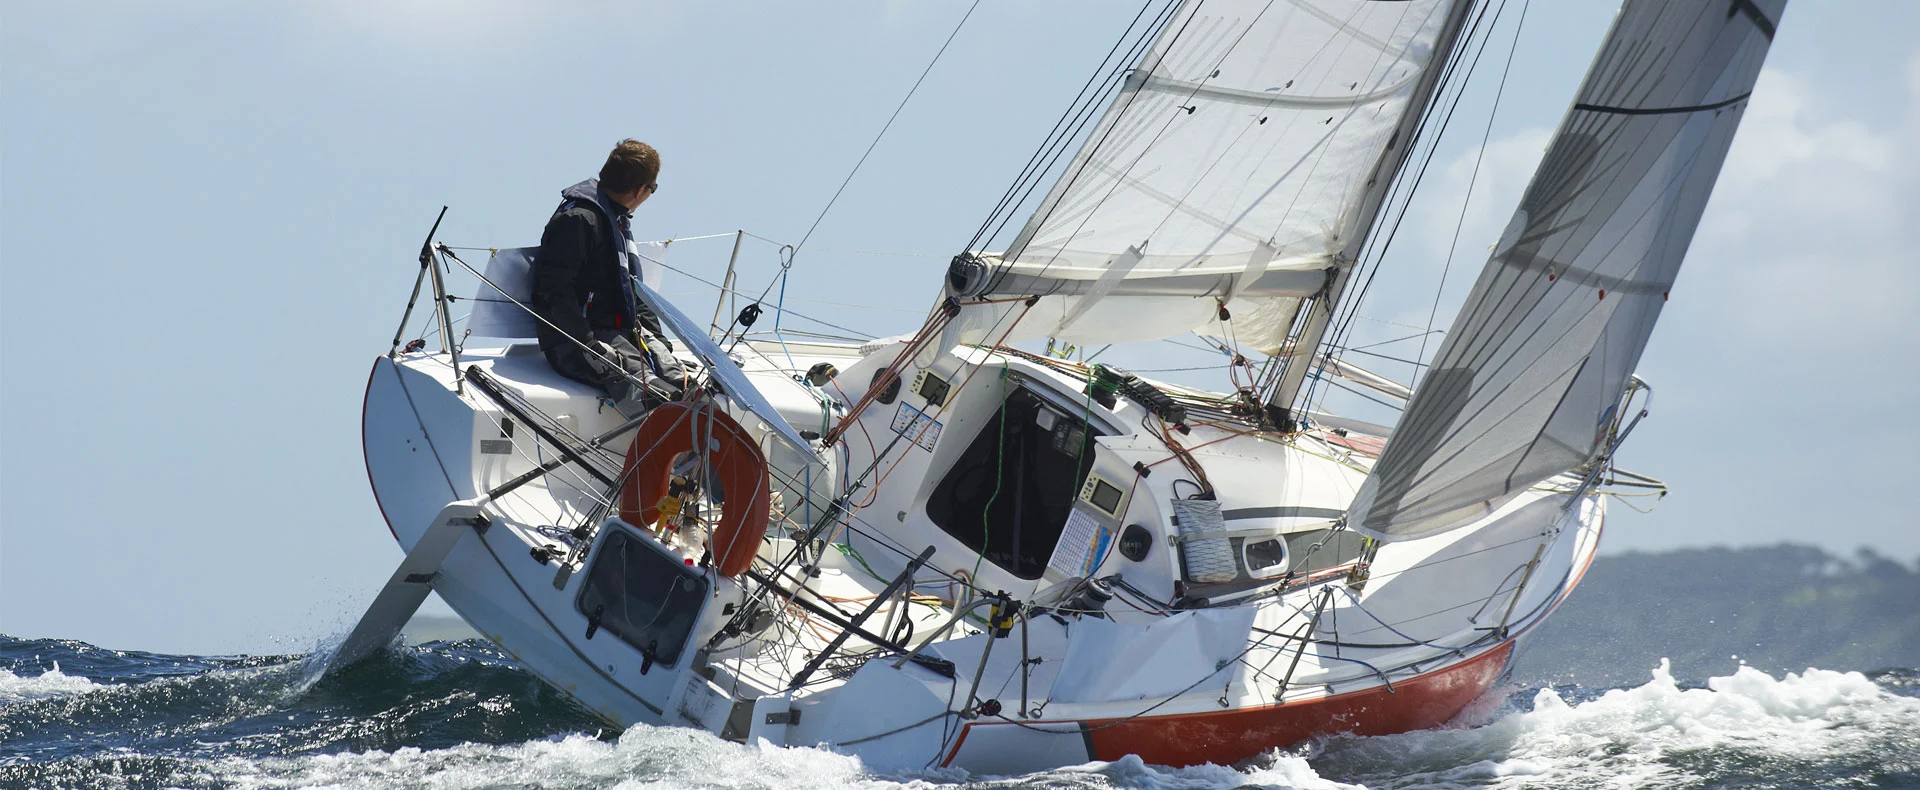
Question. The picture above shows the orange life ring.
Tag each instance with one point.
(674, 428)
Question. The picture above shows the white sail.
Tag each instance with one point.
(1525, 385)
(1240, 162)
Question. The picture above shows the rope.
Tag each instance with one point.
(896, 731)
(999, 475)
(1487, 134)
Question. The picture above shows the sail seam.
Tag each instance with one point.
(1662, 110)
(1158, 84)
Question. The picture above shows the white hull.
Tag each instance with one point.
(1213, 682)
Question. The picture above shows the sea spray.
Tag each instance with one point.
(1817, 725)
(50, 683)
(462, 715)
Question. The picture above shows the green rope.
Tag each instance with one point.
(999, 475)
(848, 551)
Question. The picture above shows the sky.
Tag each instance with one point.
(209, 211)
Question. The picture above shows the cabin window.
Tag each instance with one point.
(1264, 557)
(639, 594)
(1009, 494)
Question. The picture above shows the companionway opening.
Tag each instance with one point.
(1008, 496)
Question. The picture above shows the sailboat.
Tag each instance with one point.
(940, 549)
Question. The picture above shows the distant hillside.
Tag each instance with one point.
(1778, 608)
(424, 628)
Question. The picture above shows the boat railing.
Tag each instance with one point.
(1617, 430)
(430, 266)
(436, 261)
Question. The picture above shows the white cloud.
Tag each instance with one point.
(1810, 226)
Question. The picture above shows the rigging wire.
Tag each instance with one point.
(1460, 71)
(1457, 72)
(1059, 146)
(888, 125)
(1149, 35)
(1405, 187)
(1077, 111)
(1378, 355)
(788, 263)
(1356, 391)
(1041, 219)
(1454, 245)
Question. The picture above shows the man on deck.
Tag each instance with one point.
(582, 284)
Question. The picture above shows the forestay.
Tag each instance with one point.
(1239, 162)
(1526, 383)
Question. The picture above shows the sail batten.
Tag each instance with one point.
(1528, 380)
(1251, 130)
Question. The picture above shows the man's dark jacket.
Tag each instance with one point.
(577, 280)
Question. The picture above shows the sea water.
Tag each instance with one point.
(462, 715)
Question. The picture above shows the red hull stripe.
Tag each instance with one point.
(1229, 736)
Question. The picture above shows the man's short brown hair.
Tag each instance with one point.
(632, 165)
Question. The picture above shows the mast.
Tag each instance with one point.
(1366, 213)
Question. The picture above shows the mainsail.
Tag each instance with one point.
(1526, 383)
(1241, 163)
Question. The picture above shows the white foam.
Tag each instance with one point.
(1617, 739)
(1285, 770)
(653, 757)
(1626, 735)
(52, 683)
(669, 758)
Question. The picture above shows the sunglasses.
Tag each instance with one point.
(652, 188)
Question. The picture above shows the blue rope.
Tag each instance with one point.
(779, 308)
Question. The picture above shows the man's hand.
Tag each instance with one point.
(605, 360)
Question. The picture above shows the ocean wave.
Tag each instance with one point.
(51, 683)
(667, 758)
(460, 715)
(1815, 727)
(429, 697)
